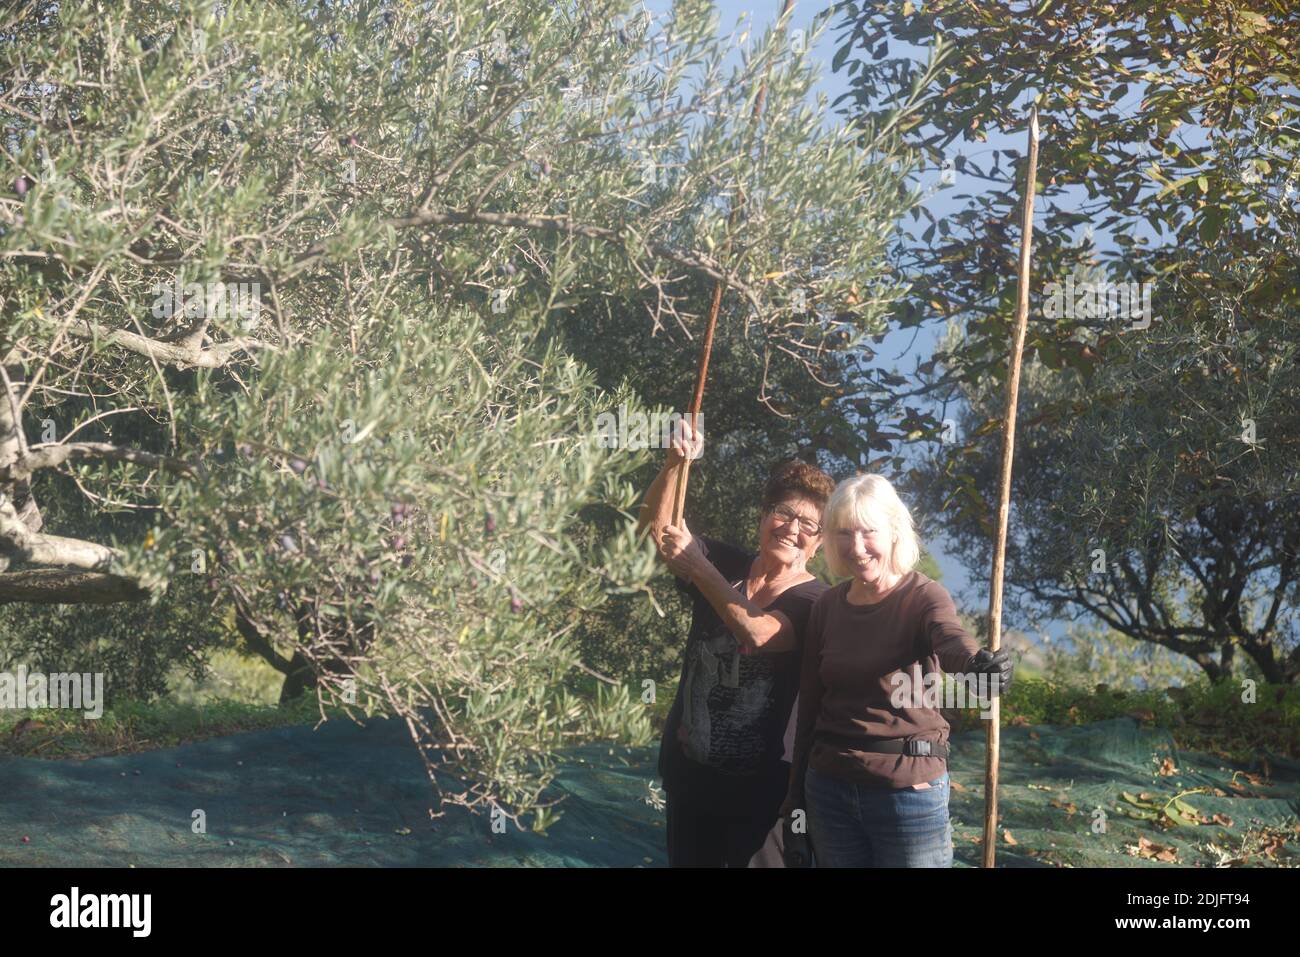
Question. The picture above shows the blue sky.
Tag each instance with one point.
(900, 348)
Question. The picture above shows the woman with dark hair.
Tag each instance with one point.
(724, 757)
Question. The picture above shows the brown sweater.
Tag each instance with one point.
(850, 654)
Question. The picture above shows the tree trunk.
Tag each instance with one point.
(298, 680)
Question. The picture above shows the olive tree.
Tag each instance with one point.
(1154, 488)
(279, 281)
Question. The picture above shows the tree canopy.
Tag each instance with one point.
(289, 294)
(1165, 437)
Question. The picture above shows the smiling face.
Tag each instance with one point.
(786, 533)
(866, 547)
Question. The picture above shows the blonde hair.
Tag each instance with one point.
(852, 503)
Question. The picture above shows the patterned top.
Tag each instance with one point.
(733, 708)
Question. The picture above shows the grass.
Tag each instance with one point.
(131, 726)
(231, 677)
(239, 693)
(1202, 717)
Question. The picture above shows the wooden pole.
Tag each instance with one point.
(1004, 488)
(702, 371)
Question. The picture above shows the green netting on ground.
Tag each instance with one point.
(349, 795)
(337, 796)
(1053, 779)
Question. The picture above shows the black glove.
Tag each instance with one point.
(993, 663)
(796, 848)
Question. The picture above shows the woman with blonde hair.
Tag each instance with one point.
(868, 766)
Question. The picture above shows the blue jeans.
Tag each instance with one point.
(852, 825)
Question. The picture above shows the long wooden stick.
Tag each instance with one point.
(702, 371)
(1004, 489)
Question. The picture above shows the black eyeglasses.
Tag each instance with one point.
(788, 515)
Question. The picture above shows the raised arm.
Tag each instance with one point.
(756, 630)
(657, 509)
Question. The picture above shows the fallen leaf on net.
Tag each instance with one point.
(1150, 850)
(1275, 846)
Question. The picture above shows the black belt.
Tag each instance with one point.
(911, 747)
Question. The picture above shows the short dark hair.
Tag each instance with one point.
(797, 478)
